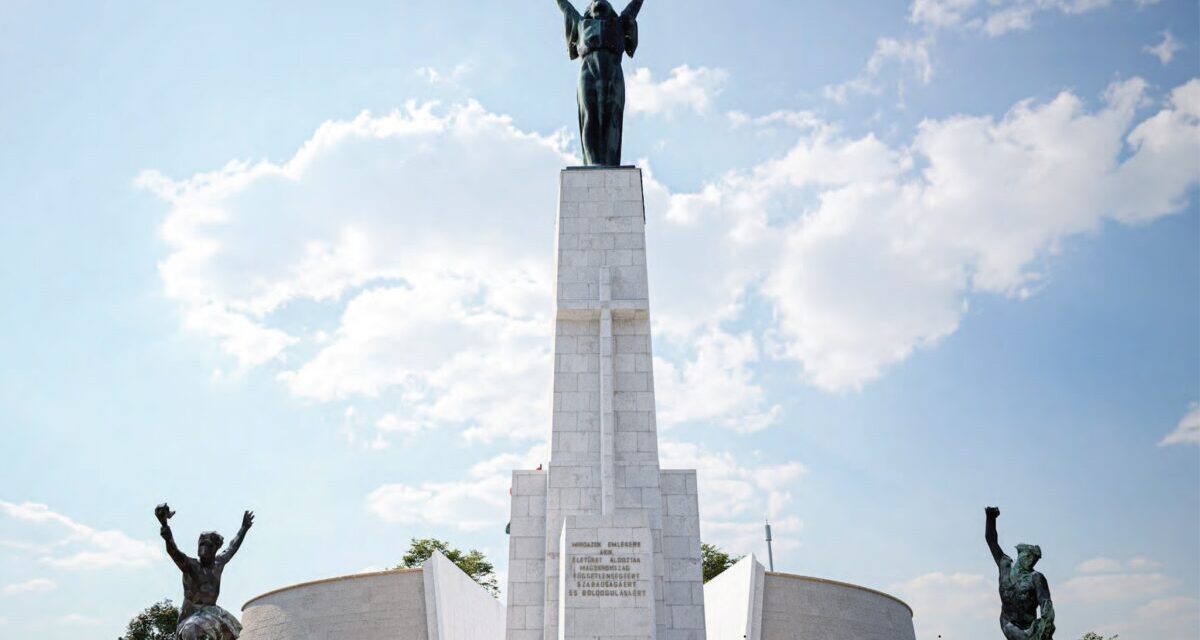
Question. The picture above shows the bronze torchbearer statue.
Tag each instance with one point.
(601, 37)
(1022, 590)
(199, 617)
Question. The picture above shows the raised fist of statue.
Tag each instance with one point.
(992, 512)
(163, 513)
(247, 520)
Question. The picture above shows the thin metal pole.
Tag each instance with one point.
(770, 553)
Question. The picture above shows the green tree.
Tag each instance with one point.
(473, 562)
(156, 622)
(1095, 636)
(715, 560)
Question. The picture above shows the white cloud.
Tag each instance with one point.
(1188, 429)
(686, 89)
(738, 496)
(945, 601)
(997, 17)
(36, 585)
(885, 254)
(409, 286)
(913, 55)
(741, 537)
(478, 502)
(1142, 563)
(717, 385)
(1099, 565)
(1168, 607)
(794, 119)
(82, 546)
(388, 265)
(75, 619)
(1108, 565)
(442, 291)
(939, 13)
(1165, 49)
(435, 76)
(1172, 618)
(1115, 587)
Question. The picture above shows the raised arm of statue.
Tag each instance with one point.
(568, 9)
(225, 556)
(631, 11)
(993, 538)
(629, 24)
(571, 17)
(164, 513)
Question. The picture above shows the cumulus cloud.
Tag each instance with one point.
(738, 495)
(1166, 49)
(945, 601)
(36, 585)
(480, 501)
(1115, 587)
(75, 619)
(78, 546)
(940, 13)
(362, 266)
(437, 76)
(390, 266)
(1108, 565)
(687, 89)
(893, 241)
(997, 17)
(717, 385)
(1188, 429)
(1170, 618)
(911, 55)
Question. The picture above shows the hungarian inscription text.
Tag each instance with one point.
(609, 570)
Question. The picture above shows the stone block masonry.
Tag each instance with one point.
(603, 483)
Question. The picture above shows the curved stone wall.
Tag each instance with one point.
(814, 609)
(373, 606)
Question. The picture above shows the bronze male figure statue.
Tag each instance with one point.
(1022, 590)
(601, 37)
(199, 617)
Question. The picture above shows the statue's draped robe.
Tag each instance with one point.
(601, 92)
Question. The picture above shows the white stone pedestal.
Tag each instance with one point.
(603, 478)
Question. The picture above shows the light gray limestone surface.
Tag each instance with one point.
(374, 606)
(815, 609)
(604, 440)
(435, 602)
(747, 602)
(456, 607)
(735, 600)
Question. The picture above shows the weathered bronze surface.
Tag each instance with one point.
(199, 617)
(601, 37)
(1022, 590)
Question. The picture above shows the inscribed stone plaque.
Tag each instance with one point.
(606, 575)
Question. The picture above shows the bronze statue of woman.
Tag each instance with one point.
(601, 37)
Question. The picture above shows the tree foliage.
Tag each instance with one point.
(1095, 636)
(715, 560)
(156, 622)
(473, 562)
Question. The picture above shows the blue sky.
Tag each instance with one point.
(906, 260)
